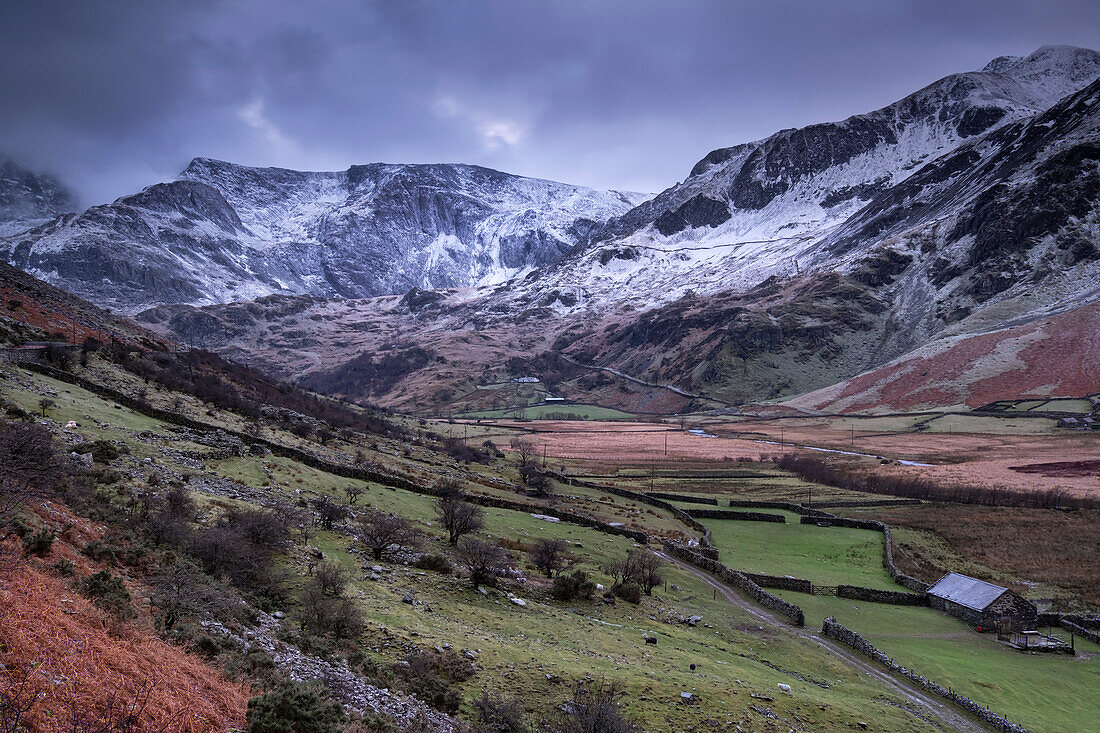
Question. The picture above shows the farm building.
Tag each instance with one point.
(982, 604)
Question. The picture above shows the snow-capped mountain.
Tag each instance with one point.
(28, 199)
(223, 232)
(755, 210)
(778, 267)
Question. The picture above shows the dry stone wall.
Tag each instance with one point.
(850, 638)
(682, 497)
(873, 595)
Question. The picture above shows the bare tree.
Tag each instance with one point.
(381, 531)
(458, 517)
(483, 559)
(353, 492)
(29, 464)
(183, 591)
(44, 404)
(525, 450)
(619, 570)
(329, 513)
(645, 569)
(595, 709)
(548, 555)
(331, 579)
(306, 529)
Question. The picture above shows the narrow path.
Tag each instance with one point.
(948, 717)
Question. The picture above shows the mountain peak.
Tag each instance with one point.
(29, 198)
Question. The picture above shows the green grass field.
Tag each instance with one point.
(1043, 692)
(822, 555)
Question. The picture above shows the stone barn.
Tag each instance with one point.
(982, 604)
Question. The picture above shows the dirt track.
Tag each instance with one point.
(939, 712)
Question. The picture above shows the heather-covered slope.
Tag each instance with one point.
(1056, 356)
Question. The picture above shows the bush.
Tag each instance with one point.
(548, 555)
(206, 647)
(483, 559)
(436, 563)
(458, 449)
(109, 593)
(102, 450)
(255, 664)
(63, 569)
(430, 675)
(294, 707)
(575, 585)
(595, 707)
(498, 714)
(39, 543)
(630, 592)
(325, 615)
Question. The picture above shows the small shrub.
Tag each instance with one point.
(630, 592)
(428, 676)
(39, 543)
(255, 664)
(294, 707)
(109, 593)
(206, 646)
(63, 569)
(498, 714)
(574, 585)
(102, 450)
(435, 563)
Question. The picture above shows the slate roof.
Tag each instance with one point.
(966, 591)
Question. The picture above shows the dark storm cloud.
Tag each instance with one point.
(627, 94)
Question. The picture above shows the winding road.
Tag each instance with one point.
(939, 712)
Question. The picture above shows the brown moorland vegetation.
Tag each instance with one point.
(1062, 548)
(78, 662)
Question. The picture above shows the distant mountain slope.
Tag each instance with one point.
(1057, 356)
(28, 199)
(758, 209)
(225, 232)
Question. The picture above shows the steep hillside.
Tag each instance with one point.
(1057, 356)
(46, 311)
(223, 232)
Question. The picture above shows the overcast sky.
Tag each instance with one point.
(112, 95)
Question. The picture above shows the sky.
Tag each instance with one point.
(114, 95)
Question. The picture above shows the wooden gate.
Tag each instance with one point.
(823, 590)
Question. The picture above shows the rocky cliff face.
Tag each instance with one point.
(224, 232)
(28, 199)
